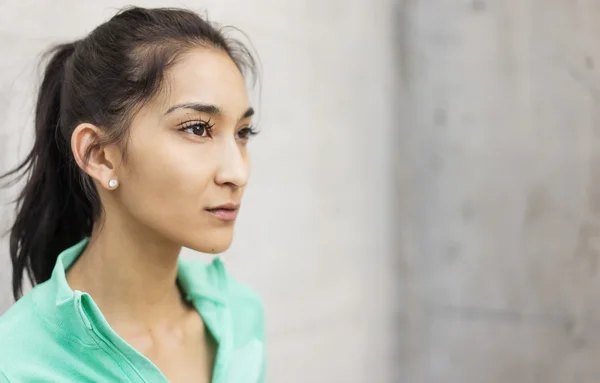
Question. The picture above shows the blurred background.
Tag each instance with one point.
(425, 198)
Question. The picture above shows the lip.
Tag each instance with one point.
(226, 212)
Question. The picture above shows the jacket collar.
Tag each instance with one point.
(62, 308)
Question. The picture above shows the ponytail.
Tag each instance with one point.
(53, 212)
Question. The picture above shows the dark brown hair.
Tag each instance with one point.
(102, 79)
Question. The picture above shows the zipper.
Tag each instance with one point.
(218, 368)
(224, 349)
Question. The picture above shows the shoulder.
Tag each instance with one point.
(30, 337)
(19, 317)
(19, 327)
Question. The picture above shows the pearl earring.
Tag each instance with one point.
(113, 184)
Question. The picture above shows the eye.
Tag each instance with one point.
(247, 132)
(197, 128)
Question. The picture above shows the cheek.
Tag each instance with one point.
(168, 182)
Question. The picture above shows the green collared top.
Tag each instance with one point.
(55, 334)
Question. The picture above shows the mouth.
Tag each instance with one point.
(225, 212)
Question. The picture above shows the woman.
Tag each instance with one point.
(140, 149)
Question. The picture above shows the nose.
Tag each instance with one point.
(233, 167)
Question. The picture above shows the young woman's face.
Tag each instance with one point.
(187, 162)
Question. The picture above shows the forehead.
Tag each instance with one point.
(207, 76)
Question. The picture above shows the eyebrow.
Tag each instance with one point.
(209, 109)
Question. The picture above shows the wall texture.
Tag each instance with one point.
(315, 234)
(500, 179)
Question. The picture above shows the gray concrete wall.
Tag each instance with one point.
(315, 234)
(500, 180)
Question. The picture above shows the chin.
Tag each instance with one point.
(213, 244)
(217, 249)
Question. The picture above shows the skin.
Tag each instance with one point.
(171, 175)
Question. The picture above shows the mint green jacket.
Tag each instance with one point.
(55, 334)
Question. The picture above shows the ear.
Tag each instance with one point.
(103, 161)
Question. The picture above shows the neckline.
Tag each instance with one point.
(75, 315)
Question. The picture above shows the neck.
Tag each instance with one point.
(130, 272)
